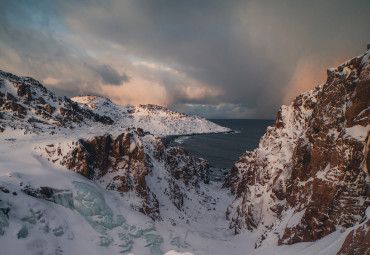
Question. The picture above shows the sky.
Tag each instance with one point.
(216, 59)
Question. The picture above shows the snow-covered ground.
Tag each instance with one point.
(155, 119)
(83, 217)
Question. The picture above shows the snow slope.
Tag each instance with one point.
(152, 118)
(82, 217)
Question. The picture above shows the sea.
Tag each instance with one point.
(222, 150)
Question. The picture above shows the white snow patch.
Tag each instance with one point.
(295, 218)
(358, 132)
(172, 252)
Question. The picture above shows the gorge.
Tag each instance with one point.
(85, 174)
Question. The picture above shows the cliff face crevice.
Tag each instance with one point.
(309, 175)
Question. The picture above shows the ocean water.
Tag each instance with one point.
(222, 150)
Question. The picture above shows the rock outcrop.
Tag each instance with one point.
(124, 162)
(26, 104)
(357, 241)
(310, 174)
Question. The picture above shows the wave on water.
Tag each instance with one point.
(181, 139)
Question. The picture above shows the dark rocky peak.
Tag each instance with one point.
(309, 176)
(27, 104)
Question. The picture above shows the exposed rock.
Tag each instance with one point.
(49, 109)
(9, 97)
(58, 196)
(310, 173)
(24, 91)
(124, 163)
(176, 156)
(15, 107)
(357, 241)
(33, 98)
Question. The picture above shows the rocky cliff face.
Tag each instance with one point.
(310, 174)
(26, 104)
(357, 241)
(125, 162)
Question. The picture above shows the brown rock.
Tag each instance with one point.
(15, 107)
(123, 163)
(308, 163)
(24, 91)
(49, 109)
(357, 241)
(104, 155)
(10, 97)
(41, 100)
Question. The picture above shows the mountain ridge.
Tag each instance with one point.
(310, 174)
(74, 176)
(158, 120)
(27, 104)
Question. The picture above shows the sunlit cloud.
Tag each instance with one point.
(218, 111)
(309, 73)
(234, 59)
(137, 91)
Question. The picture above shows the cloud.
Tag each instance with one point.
(110, 75)
(220, 111)
(308, 73)
(217, 58)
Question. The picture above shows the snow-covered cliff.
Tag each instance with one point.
(310, 174)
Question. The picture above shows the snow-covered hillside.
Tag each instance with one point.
(28, 105)
(310, 174)
(152, 118)
(47, 209)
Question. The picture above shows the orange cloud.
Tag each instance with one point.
(309, 73)
(138, 91)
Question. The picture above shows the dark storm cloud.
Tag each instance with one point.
(237, 58)
(110, 75)
(247, 48)
(33, 44)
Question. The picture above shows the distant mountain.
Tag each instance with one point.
(155, 119)
(310, 175)
(28, 105)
